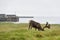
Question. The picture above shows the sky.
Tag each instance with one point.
(40, 8)
(31, 7)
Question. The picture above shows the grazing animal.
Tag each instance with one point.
(35, 25)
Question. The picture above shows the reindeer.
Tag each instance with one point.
(37, 25)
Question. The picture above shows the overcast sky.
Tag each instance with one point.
(48, 9)
(31, 7)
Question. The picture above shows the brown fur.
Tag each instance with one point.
(37, 25)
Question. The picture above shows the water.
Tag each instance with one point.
(51, 20)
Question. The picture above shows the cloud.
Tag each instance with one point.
(31, 7)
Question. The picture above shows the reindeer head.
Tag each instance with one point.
(47, 26)
(41, 29)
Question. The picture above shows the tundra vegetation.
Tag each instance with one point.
(11, 31)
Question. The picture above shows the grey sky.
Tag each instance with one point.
(50, 9)
(31, 7)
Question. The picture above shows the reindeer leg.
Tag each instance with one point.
(35, 28)
(29, 26)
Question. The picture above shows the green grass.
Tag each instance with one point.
(10, 31)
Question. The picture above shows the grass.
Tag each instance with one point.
(10, 31)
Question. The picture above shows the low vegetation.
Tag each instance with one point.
(11, 31)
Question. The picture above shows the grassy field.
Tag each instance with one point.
(10, 31)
